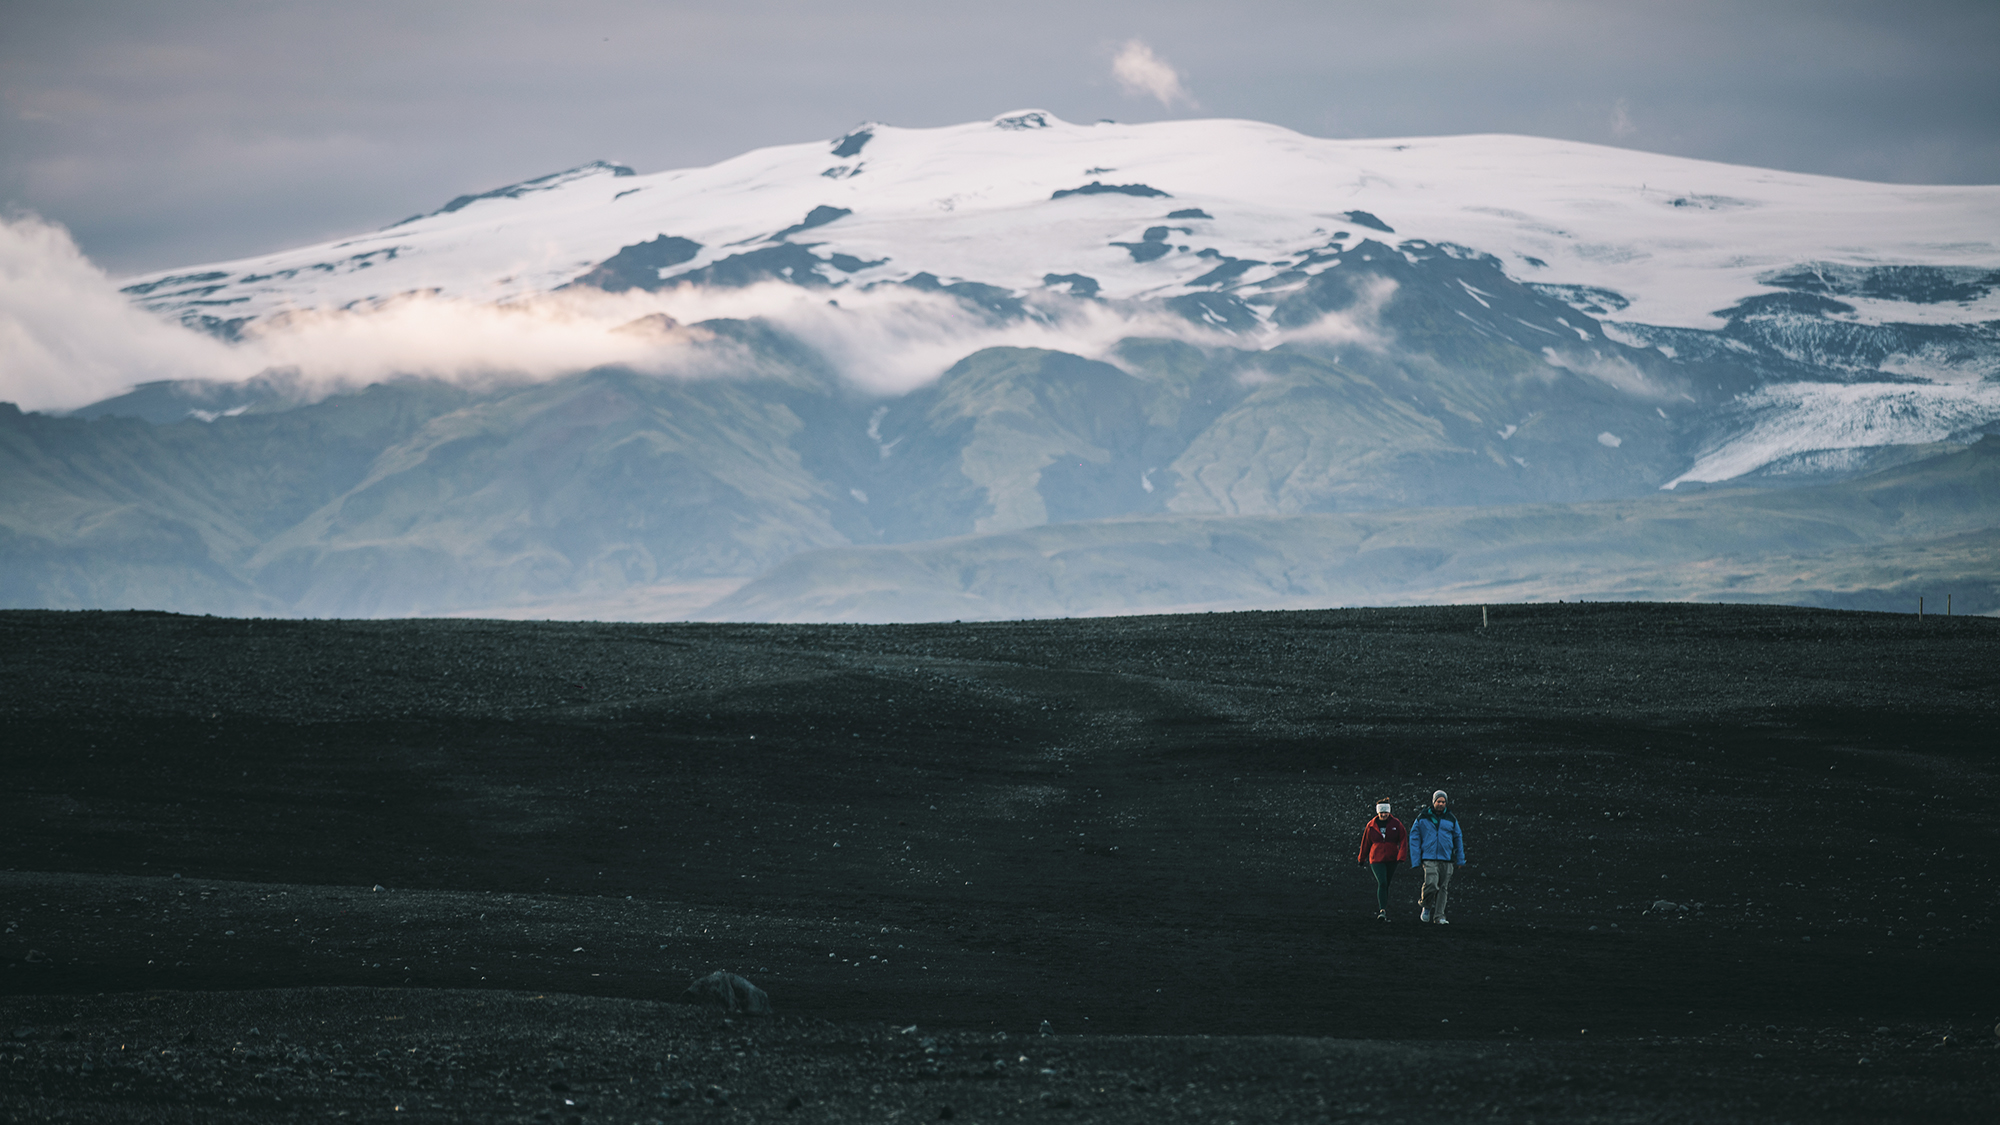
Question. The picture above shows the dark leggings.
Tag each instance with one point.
(1383, 873)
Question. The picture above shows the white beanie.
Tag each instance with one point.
(1439, 793)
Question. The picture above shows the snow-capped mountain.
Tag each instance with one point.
(1172, 208)
(1790, 281)
(1141, 333)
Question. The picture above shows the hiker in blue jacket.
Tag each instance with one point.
(1437, 844)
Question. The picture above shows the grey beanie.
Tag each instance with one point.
(1439, 793)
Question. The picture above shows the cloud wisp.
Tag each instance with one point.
(1143, 74)
(68, 337)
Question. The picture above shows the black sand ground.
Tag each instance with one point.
(1141, 830)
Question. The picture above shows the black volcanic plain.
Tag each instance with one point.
(460, 869)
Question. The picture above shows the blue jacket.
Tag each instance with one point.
(1436, 837)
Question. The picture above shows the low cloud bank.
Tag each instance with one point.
(68, 337)
(888, 341)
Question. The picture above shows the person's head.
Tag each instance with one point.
(1439, 800)
(1382, 809)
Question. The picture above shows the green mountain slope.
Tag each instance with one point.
(115, 512)
(1870, 543)
(414, 498)
(583, 487)
(1471, 433)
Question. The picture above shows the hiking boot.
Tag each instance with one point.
(1381, 916)
(1427, 914)
(1443, 921)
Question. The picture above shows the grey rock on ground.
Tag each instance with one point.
(729, 992)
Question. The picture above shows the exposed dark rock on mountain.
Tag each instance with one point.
(1364, 219)
(783, 262)
(1096, 188)
(852, 143)
(638, 266)
(817, 217)
(1077, 284)
(999, 304)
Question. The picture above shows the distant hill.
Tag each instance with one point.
(621, 495)
(1878, 542)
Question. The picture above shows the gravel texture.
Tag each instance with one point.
(1726, 862)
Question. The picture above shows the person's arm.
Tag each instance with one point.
(1411, 842)
(1403, 847)
(1361, 857)
(1459, 841)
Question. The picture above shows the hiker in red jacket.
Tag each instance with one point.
(1385, 846)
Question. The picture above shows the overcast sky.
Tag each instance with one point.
(172, 134)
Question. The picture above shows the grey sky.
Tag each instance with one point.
(170, 134)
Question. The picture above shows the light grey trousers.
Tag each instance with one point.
(1437, 885)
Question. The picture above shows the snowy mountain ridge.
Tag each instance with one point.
(1790, 322)
(1026, 201)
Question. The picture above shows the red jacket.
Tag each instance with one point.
(1384, 842)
